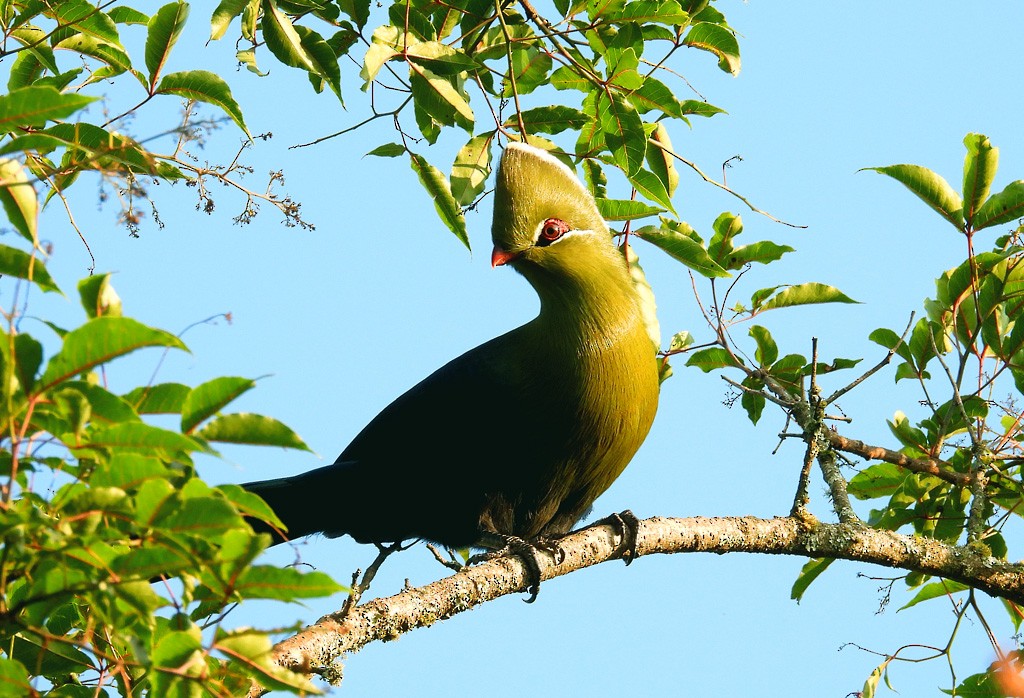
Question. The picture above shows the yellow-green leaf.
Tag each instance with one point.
(979, 170)
(437, 186)
(19, 199)
(930, 187)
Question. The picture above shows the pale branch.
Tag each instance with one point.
(926, 466)
(836, 486)
(801, 499)
(314, 649)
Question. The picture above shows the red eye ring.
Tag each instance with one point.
(553, 229)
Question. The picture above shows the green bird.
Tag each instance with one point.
(515, 439)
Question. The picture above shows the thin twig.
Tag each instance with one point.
(766, 396)
(718, 184)
(872, 371)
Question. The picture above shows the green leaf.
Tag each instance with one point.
(712, 358)
(247, 57)
(282, 39)
(763, 252)
(83, 16)
(19, 199)
(623, 131)
(727, 226)
(930, 187)
(33, 106)
(805, 294)
(979, 171)
(654, 94)
(195, 507)
(984, 685)
(644, 11)
(767, 350)
(105, 405)
(440, 98)
(437, 186)
(223, 15)
(324, 61)
(94, 148)
(209, 398)
(871, 684)
(566, 78)
(253, 429)
(20, 264)
(284, 584)
(204, 86)
(162, 33)
(117, 61)
(376, 56)
(699, 108)
(98, 296)
(471, 169)
(553, 119)
(127, 471)
(1002, 207)
(530, 68)
(123, 14)
(934, 590)
(661, 160)
(878, 480)
(142, 438)
(440, 58)
(808, 573)
(33, 39)
(162, 398)
(388, 150)
(651, 187)
(597, 182)
(28, 354)
(682, 248)
(889, 339)
(14, 679)
(719, 41)
(99, 340)
(625, 209)
(25, 71)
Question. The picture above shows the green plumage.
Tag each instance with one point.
(519, 435)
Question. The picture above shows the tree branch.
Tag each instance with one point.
(318, 646)
(927, 466)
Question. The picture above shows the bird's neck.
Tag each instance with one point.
(593, 312)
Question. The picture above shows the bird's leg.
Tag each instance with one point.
(629, 526)
(526, 551)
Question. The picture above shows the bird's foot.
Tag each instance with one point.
(526, 551)
(629, 526)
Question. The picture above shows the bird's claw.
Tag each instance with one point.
(527, 552)
(629, 527)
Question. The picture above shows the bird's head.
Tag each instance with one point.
(546, 224)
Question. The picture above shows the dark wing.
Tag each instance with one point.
(432, 460)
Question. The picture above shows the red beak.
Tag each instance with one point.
(500, 257)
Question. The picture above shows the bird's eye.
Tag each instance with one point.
(552, 229)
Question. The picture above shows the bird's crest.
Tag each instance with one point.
(532, 187)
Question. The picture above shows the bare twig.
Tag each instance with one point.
(873, 370)
(709, 180)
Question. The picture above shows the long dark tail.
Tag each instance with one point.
(296, 501)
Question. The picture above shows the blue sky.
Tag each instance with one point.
(343, 319)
